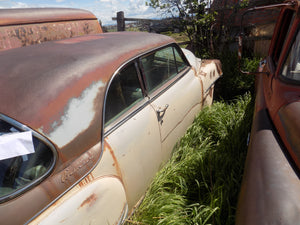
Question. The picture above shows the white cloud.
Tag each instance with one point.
(103, 9)
(20, 5)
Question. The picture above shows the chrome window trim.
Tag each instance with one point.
(49, 170)
(106, 130)
(125, 117)
(166, 86)
(180, 52)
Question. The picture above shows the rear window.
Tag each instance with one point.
(25, 159)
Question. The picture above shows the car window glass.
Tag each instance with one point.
(159, 67)
(181, 64)
(20, 171)
(124, 92)
(291, 68)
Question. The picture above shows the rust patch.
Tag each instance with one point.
(115, 164)
(88, 179)
(194, 70)
(69, 173)
(210, 93)
(30, 34)
(89, 201)
(202, 92)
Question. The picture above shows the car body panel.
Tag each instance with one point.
(73, 75)
(100, 200)
(270, 187)
(182, 108)
(23, 27)
(142, 129)
(58, 89)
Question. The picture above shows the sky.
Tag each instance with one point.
(103, 9)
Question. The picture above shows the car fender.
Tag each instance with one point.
(208, 72)
(102, 201)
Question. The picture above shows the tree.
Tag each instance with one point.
(194, 18)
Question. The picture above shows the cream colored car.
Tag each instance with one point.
(94, 117)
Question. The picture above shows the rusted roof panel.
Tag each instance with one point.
(44, 86)
(42, 15)
(23, 27)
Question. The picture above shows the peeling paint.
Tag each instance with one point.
(77, 117)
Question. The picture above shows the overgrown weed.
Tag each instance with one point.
(200, 183)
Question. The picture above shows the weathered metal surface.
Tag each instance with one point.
(270, 189)
(58, 88)
(279, 94)
(131, 158)
(102, 200)
(289, 117)
(20, 36)
(209, 72)
(20, 16)
(46, 192)
(23, 27)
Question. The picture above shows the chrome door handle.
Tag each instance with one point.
(161, 112)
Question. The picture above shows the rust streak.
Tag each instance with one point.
(116, 164)
(89, 201)
(202, 92)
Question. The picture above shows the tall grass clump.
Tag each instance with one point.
(200, 183)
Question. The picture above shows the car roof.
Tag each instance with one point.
(19, 16)
(43, 86)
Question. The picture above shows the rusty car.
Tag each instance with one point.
(87, 120)
(270, 188)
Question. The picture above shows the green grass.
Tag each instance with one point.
(200, 183)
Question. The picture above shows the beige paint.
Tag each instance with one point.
(184, 100)
(140, 157)
(134, 152)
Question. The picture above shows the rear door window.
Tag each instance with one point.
(124, 92)
(162, 65)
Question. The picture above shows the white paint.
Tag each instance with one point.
(103, 201)
(77, 118)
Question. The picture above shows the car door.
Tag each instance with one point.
(131, 132)
(174, 92)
